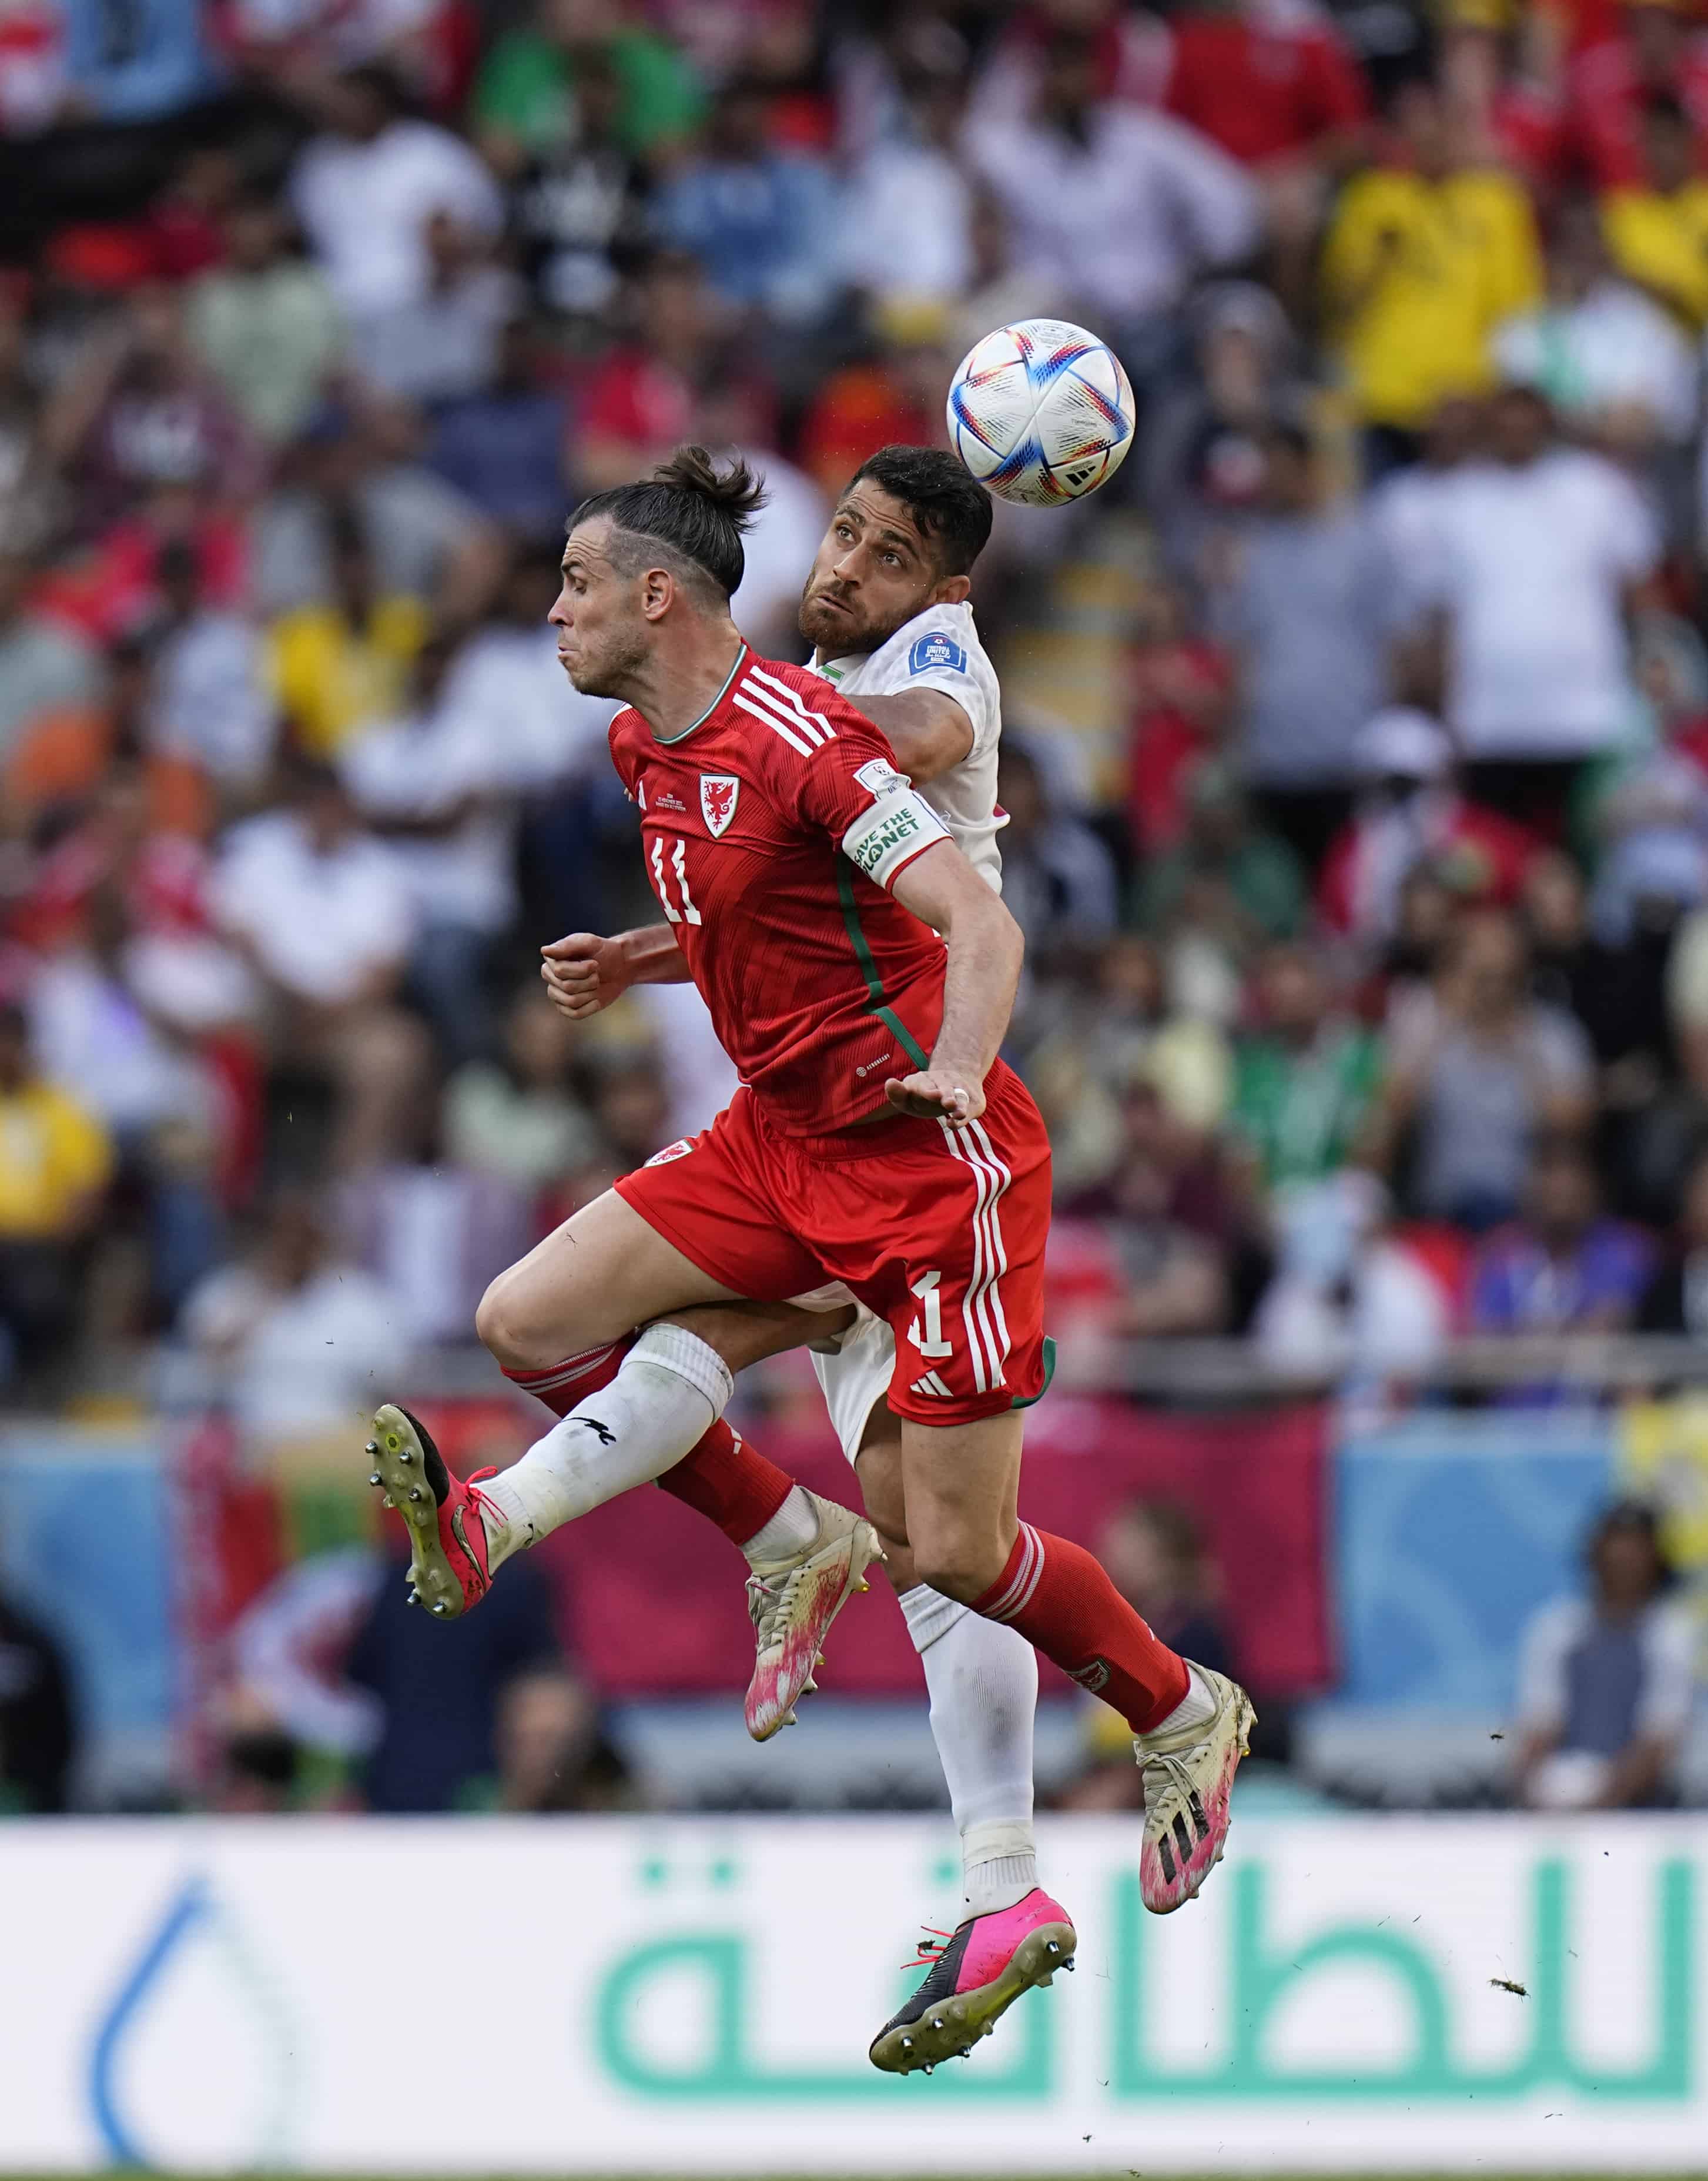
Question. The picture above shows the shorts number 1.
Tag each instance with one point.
(933, 1343)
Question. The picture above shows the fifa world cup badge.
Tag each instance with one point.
(718, 794)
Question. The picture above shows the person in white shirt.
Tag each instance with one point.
(1542, 550)
(367, 190)
(1606, 1684)
(1120, 206)
(325, 919)
(1608, 357)
(442, 784)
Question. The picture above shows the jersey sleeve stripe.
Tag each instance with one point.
(793, 698)
(776, 726)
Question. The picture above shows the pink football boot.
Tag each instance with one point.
(977, 1976)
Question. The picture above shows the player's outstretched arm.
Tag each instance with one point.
(985, 948)
(584, 973)
(929, 731)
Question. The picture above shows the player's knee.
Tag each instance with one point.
(952, 1565)
(501, 1322)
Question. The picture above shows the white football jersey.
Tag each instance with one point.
(940, 649)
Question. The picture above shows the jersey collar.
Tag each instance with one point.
(742, 659)
(838, 670)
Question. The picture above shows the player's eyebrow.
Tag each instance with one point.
(901, 538)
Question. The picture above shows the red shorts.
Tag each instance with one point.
(939, 1230)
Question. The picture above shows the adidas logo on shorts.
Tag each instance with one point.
(931, 1384)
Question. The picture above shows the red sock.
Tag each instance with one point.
(729, 1483)
(564, 1385)
(1063, 1603)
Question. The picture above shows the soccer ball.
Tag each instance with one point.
(1041, 411)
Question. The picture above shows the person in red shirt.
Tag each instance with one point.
(877, 1138)
(1658, 51)
(1271, 87)
(1410, 813)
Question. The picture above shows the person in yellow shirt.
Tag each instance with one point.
(55, 1162)
(1422, 261)
(1657, 235)
(338, 667)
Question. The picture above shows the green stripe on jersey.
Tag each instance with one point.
(868, 969)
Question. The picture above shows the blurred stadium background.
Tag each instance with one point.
(1357, 760)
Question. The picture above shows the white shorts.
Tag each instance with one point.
(856, 1377)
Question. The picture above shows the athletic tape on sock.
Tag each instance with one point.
(929, 1615)
(673, 1348)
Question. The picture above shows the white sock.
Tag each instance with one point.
(793, 1529)
(1196, 1707)
(671, 1389)
(982, 1679)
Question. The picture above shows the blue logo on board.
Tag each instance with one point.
(936, 650)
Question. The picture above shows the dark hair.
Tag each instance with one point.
(1638, 1515)
(947, 502)
(695, 512)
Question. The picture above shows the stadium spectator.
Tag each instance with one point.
(579, 211)
(1606, 1685)
(1306, 609)
(327, 922)
(1652, 59)
(530, 94)
(1409, 811)
(369, 188)
(210, 703)
(1057, 877)
(503, 444)
(441, 1704)
(293, 1336)
(264, 323)
(362, 467)
(553, 1751)
(1106, 1032)
(45, 667)
(56, 1161)
(1477, 1070)
(1655, 226)
(1423, 258)
(1543, 550)
(516, 1115)
(437, 785)
(39, 1738)
(1305, 1077)
(340, 668)
(1201, 454)
(1563, 1267)
(642, 398)
(1617, 369)
(443, 342)
(760, 218)
(1119, 207)
(1676, 1298)
(1230, 877)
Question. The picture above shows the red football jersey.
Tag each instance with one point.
(772, 829)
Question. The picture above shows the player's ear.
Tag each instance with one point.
(952, 591)
(658, 591)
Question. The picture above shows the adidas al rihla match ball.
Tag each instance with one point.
(1041, 412)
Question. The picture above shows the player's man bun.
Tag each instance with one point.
(690, 507)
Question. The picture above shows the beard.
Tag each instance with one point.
(610, 671)
(837, 635)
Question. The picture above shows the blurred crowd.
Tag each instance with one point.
(1366, 895)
